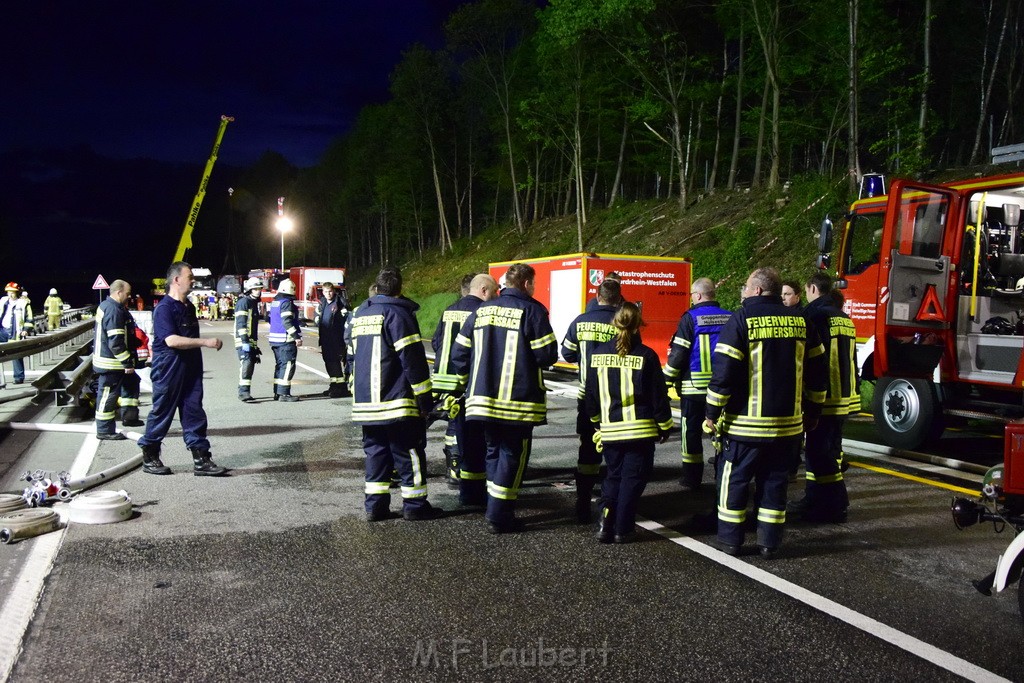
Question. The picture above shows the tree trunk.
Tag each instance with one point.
(853, 160)
(712, 179)
(922, 117)
(622, 156)
(735, 159)
(986, 88)
(756, 180)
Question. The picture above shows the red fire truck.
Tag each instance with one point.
(308, 290)
(932, 279)
(659, 285)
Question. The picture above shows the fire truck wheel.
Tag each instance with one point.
(907, 412)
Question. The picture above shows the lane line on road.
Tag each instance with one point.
(904, 641)
(919, 480)
(20, 606)
(313, 370)
(49, 427)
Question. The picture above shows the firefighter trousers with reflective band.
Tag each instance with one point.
(588, 460)
(397, 446)
(767, 464)
(472, 464)
(693, 409)
(131, 388)
(284, 368)
(246, 366)
(508, 453)
(630, 464)
(826, 490)
(108, 390)
(177, 390)
(454, 435)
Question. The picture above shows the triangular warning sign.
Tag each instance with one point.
(931, 309)
(100, 283)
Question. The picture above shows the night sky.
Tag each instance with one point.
(138, 81)
(151, 79)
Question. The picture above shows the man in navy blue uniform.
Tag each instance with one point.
(392, 399)
(332, 312)
(284, 337)
(177, 377)
(500, 353)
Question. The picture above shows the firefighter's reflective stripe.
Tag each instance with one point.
(111, 350)
(724, 513)
(372, 488)
(246, 320)
(585, 332)
(445, 336)
(627, 393)
(691, 348)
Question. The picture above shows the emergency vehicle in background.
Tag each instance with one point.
(564, 284)
(933, 277)
(308, 286)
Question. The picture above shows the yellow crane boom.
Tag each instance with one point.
(186, 236)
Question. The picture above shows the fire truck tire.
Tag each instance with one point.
(907, 412)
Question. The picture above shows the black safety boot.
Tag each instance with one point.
(606, 528)
(202, 466)
(288, 398)
(151, 460)
(130, 417)
(246, 397)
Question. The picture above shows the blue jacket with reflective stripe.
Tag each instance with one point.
(627, 394)
(689, 353)
(500, 354)
(585, 332)
(284, 323)
(443, 343)
(392, 378)
(247, 318)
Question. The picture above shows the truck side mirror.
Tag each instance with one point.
(825, 236)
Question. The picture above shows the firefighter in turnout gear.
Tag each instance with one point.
(392, 399)
(464, 446)
(112, 359)
(767, 385)
(588, 330)
(247, 320)
(331, 313)
(500, 354)
(53, 305)
(284, 337)
(689, 370)
(825, 498)
(627, 398)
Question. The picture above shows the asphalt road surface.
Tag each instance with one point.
(272, 574)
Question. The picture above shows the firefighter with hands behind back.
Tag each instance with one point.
(247, 320)
(500, 353)
(465, 448)
(825, 497)
(627, 398)
(284, 337)
(392, 399)
(689, 370)
(588, 330)
(112, 358)
(331, 314)
(767, 386)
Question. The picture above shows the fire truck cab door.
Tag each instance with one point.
(919, 279)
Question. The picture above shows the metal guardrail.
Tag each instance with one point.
(64, 382)
(50, 347)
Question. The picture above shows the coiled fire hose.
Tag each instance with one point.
(9, 502)
(20, 524)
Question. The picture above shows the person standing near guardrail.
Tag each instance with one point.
(12, 321)
(112, 360)
(53, 307)
(177, 377)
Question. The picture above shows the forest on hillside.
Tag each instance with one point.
(531, 111)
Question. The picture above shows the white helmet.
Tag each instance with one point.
(286, 287)
(53, 291)
(250, 284)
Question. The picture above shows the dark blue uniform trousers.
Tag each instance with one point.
(108, 389)
(767, 463)
(588, 460)
(246, 366)
(177, 389)
(826, 490)
(508, 452)
(454, 436)
(692, 409)
(472, 464)
(395, 446)
(630, 464)
(284, 367)
(19, 364)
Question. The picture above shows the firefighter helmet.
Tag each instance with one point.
(53, 291)
(252, 283)
(286, 287)
(12, 287)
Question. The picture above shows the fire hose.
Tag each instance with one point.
(15, 526)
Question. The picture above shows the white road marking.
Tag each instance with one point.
(313, 370)
(873, 627)
(20, 605)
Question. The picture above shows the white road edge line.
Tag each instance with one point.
(20, 606)
(313, 370)
(904, 641)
